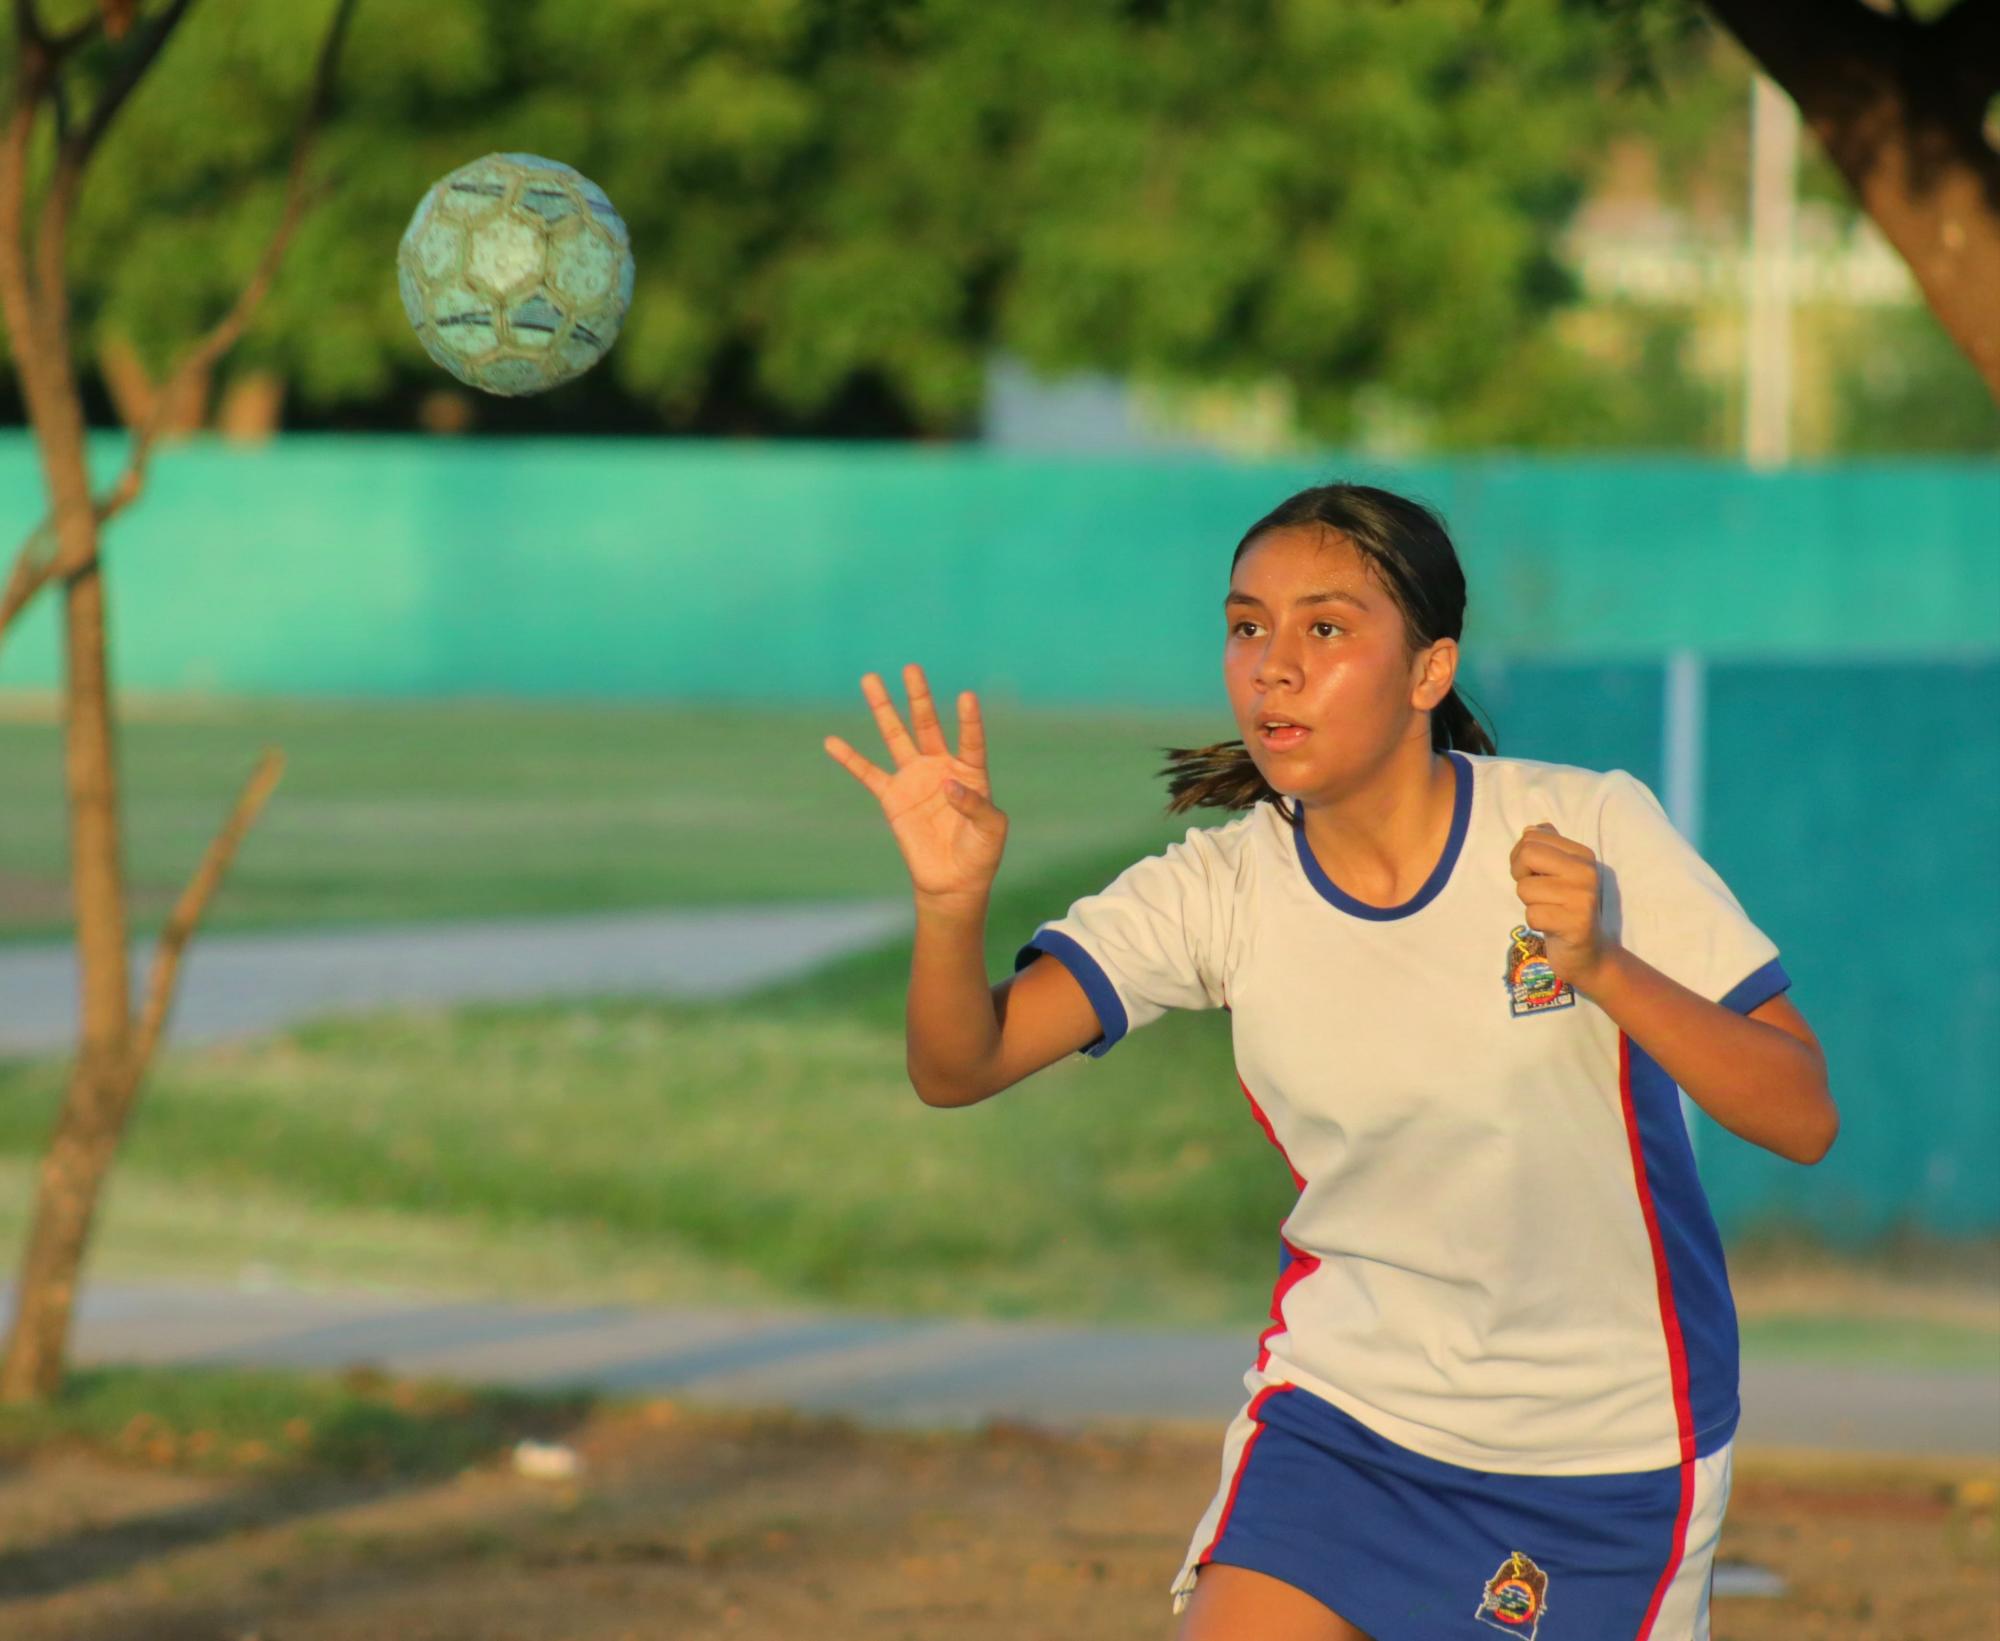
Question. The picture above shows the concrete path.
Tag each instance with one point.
(896, 1371)
(240, 984)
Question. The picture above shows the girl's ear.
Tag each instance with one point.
(1434, 669)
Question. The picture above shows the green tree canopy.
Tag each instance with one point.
(841, 208)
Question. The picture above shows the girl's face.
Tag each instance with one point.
(1312, 636)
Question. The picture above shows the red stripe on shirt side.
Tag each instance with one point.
(1302, 1265)
(1242, 1464)
(1670, 1326)
(1264, 1123)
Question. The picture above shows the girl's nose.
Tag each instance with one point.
(1274, 664)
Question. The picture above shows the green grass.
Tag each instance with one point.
(352, 1423)
(767, 1149)
(394, 810)
(1877, 1341)
(776, 1137)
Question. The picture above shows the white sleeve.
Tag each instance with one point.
(1148, 942)
(1667, 906)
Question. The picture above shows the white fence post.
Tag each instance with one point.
(1684, 735)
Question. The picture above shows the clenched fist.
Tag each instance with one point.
(1556, 878)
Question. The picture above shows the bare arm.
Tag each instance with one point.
(1761, 1075)
(953, 1024)
(968, 1041)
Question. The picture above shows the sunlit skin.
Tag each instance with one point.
(1377, 800)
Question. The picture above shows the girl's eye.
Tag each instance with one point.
(1242, 624)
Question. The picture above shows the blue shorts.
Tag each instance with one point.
(1411, 1549)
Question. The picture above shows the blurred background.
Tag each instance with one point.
(975, 336)
(547, 1029)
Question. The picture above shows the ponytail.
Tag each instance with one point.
(1453, 725)
(1224, 775)
(1220, 776)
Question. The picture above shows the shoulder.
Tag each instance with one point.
(1217, 859)
(1570, 789)
(1225, 848)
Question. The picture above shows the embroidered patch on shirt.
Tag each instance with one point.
(1532, 986)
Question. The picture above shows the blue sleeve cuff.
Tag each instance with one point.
(1096, 984)
(1757, 989)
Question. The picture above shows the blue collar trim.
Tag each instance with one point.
(1461, 817)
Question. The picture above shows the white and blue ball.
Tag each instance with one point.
(515, 272)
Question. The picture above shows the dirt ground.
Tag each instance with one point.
(691, 1525)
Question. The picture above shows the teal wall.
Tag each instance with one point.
(1854, 808)
(1849, 618)
(391, 566)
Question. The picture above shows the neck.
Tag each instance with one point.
(1380, 836)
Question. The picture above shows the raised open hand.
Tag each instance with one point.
(951, 839)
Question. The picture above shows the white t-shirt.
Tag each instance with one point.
(1501, 1255)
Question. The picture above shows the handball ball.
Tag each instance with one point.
(516, 272)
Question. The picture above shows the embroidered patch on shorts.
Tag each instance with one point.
(1532, 986)
(1516, 1597)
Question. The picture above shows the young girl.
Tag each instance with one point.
(1499, 1386)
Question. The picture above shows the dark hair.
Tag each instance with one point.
(1404, 543)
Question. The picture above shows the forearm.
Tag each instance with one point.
(954, 1030)
(1758, 1081)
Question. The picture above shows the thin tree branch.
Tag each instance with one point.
(57, 47)
(161, 980)
(30, 572)
(33, 571)
(74, 154)
(17, 297)
(204, 355)
(29, 30)
(131, 70)
(61, 45)
(31, 74)
(198, 359)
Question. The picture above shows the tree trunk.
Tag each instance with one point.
(99, 1098)
(1900, 107)
(34, 300)
(68, 1184)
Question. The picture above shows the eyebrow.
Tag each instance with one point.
(1335, 597)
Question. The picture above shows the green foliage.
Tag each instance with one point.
(1904, 386)
(1636, 390)
(873, 195)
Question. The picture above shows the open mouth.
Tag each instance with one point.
(1280, 736)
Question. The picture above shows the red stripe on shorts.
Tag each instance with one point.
(1242, 1464)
